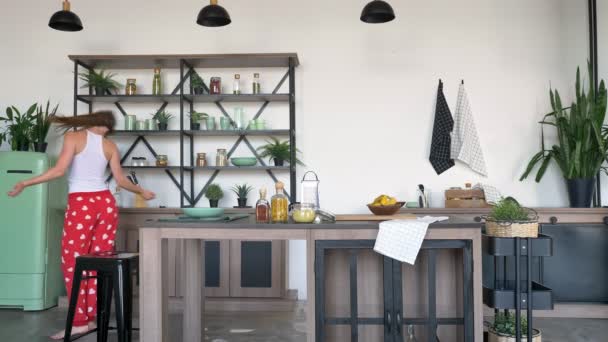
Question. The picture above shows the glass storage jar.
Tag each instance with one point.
(221, 159)
(201, 159)
(162, 160)
(131, 88)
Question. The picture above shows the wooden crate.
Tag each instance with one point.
(465, 198)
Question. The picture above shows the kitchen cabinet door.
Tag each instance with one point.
(257, 268)
(577, 271)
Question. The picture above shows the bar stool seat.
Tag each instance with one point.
(114, 274)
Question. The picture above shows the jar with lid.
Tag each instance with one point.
(201, 159)
(143, 161)
(279, 205)
(162, 160)
(215, 86)
(221, 159)
(135, 161)
(236, 86)
(131, 88)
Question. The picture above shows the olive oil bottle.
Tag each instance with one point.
(279, 205)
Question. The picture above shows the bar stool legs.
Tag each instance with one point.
(73, 301)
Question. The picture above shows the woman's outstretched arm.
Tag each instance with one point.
(120, 178)
(63, 163)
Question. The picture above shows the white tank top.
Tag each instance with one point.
(87, 173)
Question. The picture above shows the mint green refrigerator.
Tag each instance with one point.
(30, 234)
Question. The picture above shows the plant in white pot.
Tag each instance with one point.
(582, 141)
(504, 329)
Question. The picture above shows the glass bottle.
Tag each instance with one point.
(256, 83)
(216, 86)
(131, 88)
(279, 205)
(117, 197)
(262, 208)
(236, 86)
(156, 82)
(410, 334)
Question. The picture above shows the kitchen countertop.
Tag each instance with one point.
(249, 223)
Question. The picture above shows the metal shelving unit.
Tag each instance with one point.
(521, 293)
(186, 65)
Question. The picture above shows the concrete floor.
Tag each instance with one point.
(16, 326)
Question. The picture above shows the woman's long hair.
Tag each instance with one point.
(102, 118)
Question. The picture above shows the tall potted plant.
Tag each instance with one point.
(42, 126)
(242, 191)
(277, 151)
(214, 194)
(101, 81)
(18, 127)
(582, 141)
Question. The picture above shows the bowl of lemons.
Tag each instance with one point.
(385, 205)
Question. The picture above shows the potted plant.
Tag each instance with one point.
(504, 330)
(42, 125)
(509, 219)
(241, 192)
(101, 81)
(214, 194)
(196, 84)
(19, 127)
(582, 141)
(277, 151)
(195, 120)
(162, 117)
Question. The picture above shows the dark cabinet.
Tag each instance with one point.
(578, 270)
(361, 295)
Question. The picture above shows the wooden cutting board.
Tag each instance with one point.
(372, 217)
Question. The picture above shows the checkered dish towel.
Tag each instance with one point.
(402, 239)
(491, 194)
(465, 142)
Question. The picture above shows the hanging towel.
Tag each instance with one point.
(442, 127)
(402, 239)
(491, 194)
(465, 142)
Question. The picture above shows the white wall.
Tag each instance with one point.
(365, 93)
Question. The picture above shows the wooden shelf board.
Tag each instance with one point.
(258, 60)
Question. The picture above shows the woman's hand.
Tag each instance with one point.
(148, 195)
(17, 189)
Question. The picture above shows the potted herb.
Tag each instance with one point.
(195, 120)
(277, 151)
(196, 84)
(19, 127)
(162, 117)
(509, 219)
(582, 141)
(101, 81)
(214, 194)
(241, 192)
(504, 330)
(42, 125)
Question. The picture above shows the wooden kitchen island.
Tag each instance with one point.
(354, 294)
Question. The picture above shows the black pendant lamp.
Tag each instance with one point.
(213, 15)
(65, 20)
(377, 12)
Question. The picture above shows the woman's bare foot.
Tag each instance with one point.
(75, 331)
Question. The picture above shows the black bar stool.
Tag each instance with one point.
(114, 274)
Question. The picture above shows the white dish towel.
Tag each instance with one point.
(465, 142)
(402, 239)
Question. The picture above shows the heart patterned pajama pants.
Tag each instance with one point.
(89, 227)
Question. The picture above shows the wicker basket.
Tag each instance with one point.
(495, 337)
(513, 228)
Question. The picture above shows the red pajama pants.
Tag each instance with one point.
(89, 227)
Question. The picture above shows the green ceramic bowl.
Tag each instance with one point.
(244, 161)
(203, 212)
